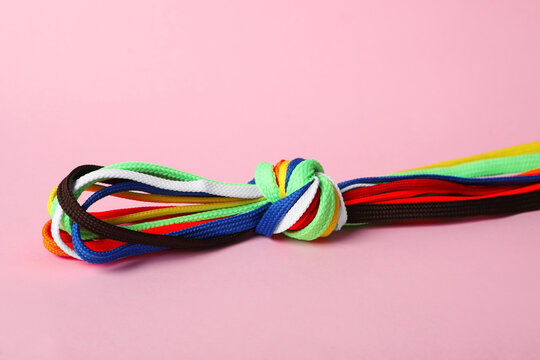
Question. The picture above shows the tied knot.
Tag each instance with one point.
(305, 203)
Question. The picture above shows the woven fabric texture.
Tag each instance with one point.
(296, 197)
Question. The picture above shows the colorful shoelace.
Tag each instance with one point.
(292, 197)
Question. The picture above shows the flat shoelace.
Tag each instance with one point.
(291, 197)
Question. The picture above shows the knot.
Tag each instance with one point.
(305, 203)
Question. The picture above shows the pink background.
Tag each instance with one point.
(214, 87)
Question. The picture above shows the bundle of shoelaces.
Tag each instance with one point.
(297, 198)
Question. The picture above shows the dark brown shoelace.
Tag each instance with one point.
(359, 213)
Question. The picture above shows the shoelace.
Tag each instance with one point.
(292, 197)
